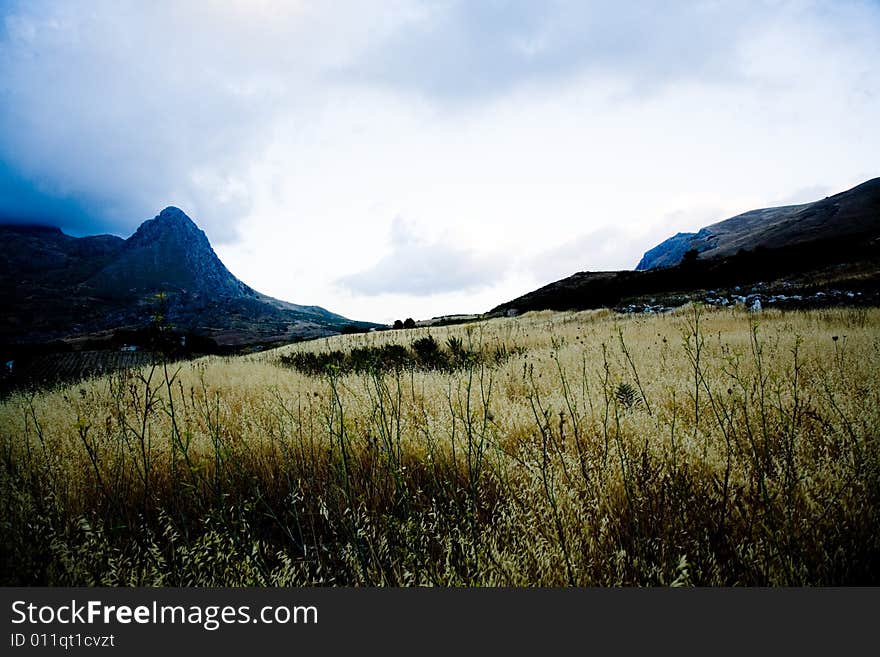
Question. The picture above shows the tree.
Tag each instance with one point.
(398, 324)
(409, 323)
(689, 257)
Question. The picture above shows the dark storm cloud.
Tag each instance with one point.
(23, 202)
(108, 115)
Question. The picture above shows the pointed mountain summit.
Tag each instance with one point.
(171, 253)
(54, 286)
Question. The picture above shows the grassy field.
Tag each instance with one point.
(700, 447)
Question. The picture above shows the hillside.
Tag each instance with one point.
(853, 215)
(817, 254)
(57, 287)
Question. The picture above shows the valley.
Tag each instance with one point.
(709, 422)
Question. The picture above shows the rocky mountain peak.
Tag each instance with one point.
(55, 286)
(172, 212)
(170, 252)
(170, 225)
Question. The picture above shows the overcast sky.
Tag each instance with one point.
(392, 159)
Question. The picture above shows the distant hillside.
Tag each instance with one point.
(833, 244)
(796, 271)
(54, 286)
(853, 215)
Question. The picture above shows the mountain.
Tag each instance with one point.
(169, 252)
(818, 253)
(853, 215)
(57, 287)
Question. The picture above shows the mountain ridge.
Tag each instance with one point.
(851, 213)
(57, 287)
(825, 246)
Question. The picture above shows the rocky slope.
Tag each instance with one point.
(171, 253)
(852, 215)
(821, 253)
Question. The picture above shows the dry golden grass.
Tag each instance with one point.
(708, 447)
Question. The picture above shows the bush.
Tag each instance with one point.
(428, 354)
(425, 354)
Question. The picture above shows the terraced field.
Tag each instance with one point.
(53, 369)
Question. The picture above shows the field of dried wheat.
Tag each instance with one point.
(697, 447)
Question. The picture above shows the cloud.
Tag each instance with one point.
(111, 113)
(463, 51)
(418, 267)
(807, 194)
(598, 250)
(107, 115)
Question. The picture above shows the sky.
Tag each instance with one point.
(413, 159)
